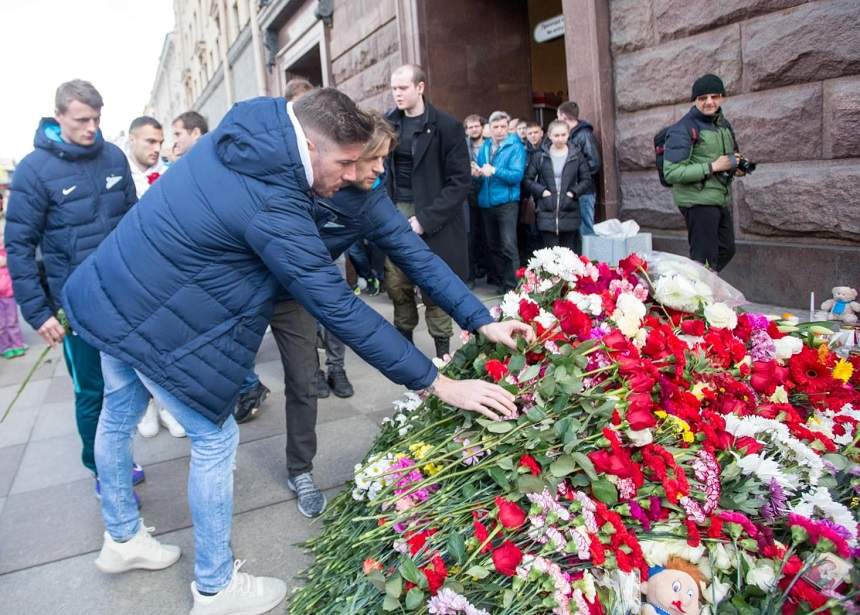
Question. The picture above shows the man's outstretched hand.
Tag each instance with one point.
(485, 398)
(506, 332)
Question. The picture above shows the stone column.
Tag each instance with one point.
(589, 76)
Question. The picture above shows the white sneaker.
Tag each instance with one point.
(246, 595)
(148, 426)
(176, 430)
(142, 551)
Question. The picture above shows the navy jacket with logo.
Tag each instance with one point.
(184, 288)
(66, 198)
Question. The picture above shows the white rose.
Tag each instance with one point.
(677, 292)
(717, 591)
(723, 559)
(761, 575)
(787, 346)
(721, 316)
(640, 437)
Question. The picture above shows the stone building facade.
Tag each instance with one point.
(792, 73)
(791, 67)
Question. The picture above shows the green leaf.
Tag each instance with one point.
(409, 571)
(457, 547)
(394, 586)
(584, 462)
(500, 426)
(837, 460)
(605, 491)
(580, 480)
(377, 579)
(528, 373)
(562, 466)
(535, 414)
(529, 484)
(516, 363)
(505, 463)
(507, 598)
(498, 475)
(390, 604)
(547, 387)
(478, 572)
(414, 598)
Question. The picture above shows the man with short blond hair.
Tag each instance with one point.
(67, 196)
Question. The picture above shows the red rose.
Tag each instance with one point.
(506, 558)
(639, 416)
(496, 369)
(152, 177)
(510, 514)
(573, 320)
(531, 463)
(606, 462)
(631, 264)
(521, 272)
(435, 574)
(529, 310)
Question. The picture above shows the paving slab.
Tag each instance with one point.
(265, 537)
(18, 426)
(45, 463)
(10, 459)
(54, 419)
(15, 370)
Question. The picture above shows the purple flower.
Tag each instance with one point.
(637, 513)
(777, 503)
(762, 347)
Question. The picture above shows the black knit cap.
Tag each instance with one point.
(708, 84)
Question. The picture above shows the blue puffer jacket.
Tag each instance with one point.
(184, 288)
(510, 164)
(353, 214)
(65, 200)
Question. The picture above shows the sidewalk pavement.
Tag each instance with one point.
(50, 526)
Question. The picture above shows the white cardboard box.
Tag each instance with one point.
(611, 250)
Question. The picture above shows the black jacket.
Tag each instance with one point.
(558, 213)
(583, 137)
(441, 180)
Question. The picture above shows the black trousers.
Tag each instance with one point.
(295, 330)
(565, 239)
(711, 234)
(500, 225)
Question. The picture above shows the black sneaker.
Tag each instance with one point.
(322, 385)
(339, 383)
(373, 287)
(249, 404)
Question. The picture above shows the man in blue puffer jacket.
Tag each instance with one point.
(179, 296)
(67, 196)
(499, 171)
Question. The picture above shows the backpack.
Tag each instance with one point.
(660, 148)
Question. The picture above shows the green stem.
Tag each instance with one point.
(36, 365)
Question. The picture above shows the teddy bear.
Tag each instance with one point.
(842, 306)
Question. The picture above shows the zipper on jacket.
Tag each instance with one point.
(557, 212)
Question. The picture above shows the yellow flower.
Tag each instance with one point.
(432, 468)
(843, 370)
(661, 414)
(688, 437)
(420, 450)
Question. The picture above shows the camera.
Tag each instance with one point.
(746, 166)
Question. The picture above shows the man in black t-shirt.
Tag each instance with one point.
(429, 179)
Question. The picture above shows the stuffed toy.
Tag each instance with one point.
(672, 589)
(842, 306)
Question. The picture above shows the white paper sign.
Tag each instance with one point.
(549, 29)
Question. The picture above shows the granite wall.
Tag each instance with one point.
(792, 74)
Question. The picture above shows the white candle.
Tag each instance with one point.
(811, 306)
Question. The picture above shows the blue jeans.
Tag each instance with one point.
(210, 479)
(252, 381)
(586, 212)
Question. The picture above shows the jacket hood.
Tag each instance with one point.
(256, 138)
(582, 125)
(48, 138)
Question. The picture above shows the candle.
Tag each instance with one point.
(811, 306)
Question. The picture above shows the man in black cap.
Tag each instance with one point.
(700, 160)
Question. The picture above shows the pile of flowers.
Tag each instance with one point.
(655, 421)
